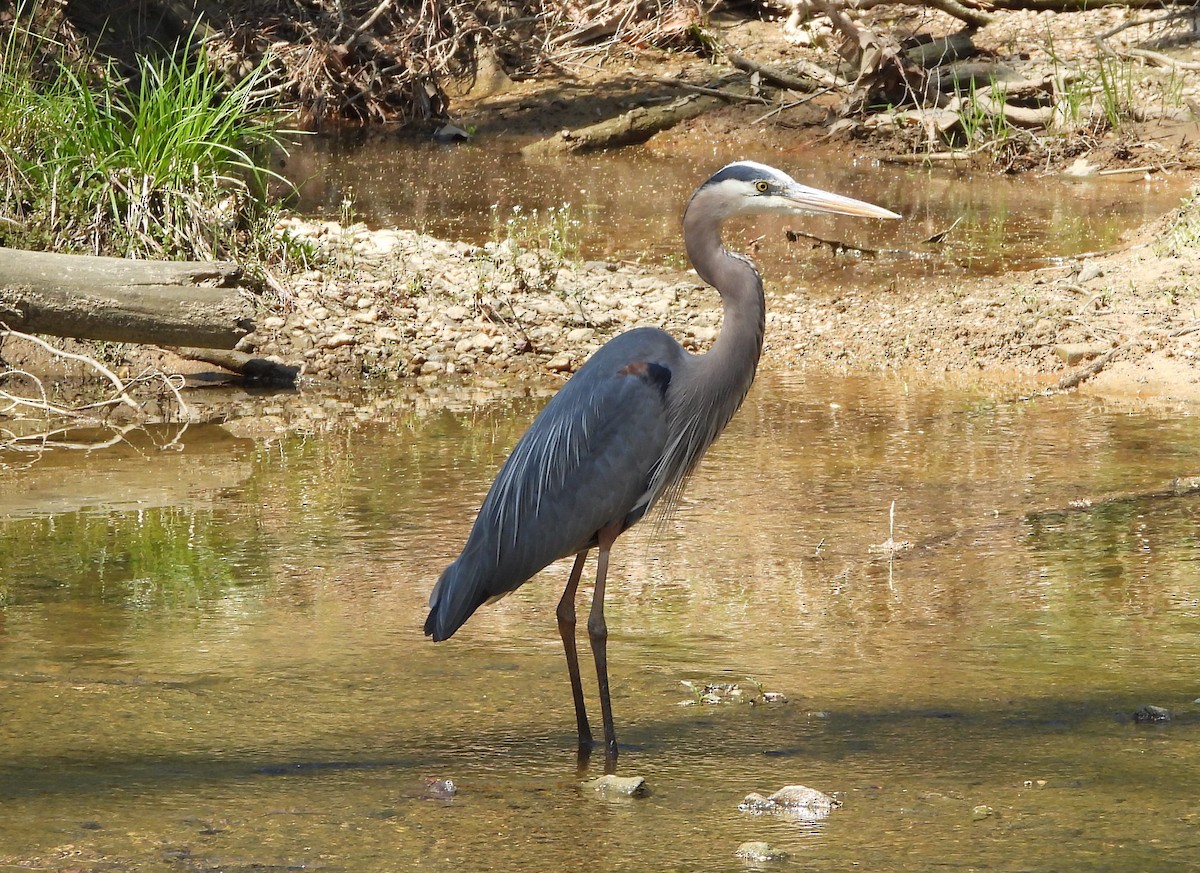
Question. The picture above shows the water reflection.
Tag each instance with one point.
(236, 677)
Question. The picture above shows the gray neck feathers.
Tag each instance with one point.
(706, 394)
(729, 367)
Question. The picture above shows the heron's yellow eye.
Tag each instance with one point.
(761, 186)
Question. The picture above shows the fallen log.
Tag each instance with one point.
(263, 371)
(189, 303)
(946, 50)
(640, 123)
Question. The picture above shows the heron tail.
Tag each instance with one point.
(453, 601)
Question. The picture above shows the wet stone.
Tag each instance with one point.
(1074, 353)
(716, 693)
(757, 850)
(1150, 714)
(794, 801)
(622, 786)
(439, 789)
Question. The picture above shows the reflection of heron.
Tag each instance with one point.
(624, 433)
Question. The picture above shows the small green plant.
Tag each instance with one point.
(551, 236)
(981, 118)
(1114, 91)
(1184, 231)
(528, 248)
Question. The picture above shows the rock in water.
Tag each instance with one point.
(757, 850)
(1150, 714)
(627, 786)
(795, 801)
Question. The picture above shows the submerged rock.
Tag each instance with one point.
(757, 850)
(716, 693)
(795, 801)
(439, 789)
(1150, 714)
(625, 786)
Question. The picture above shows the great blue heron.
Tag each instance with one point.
(625, 433)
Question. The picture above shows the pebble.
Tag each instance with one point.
(484, 342)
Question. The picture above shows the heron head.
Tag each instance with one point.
(747, 187)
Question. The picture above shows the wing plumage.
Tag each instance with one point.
(587, 461)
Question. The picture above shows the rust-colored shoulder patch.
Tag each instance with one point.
(656, 374)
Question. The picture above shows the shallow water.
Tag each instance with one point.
(221, 665)
(627, 203)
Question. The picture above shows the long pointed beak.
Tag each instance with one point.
(815, 200)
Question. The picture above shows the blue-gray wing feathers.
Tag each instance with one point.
(587, 461)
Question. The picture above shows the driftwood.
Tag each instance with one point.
(633, 127)
(120, 300)
(946, 50)
(257, 369)
(802, 77)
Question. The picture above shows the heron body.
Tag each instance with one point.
(624, 433)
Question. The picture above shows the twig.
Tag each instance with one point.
(369, 20)
(1159, 59)
(1139, 22)
(791, 105)
(711, 92)
(36, 409)
(108, 374)
(838, 247)
(941, 235)
(1072, 380)
(934, 157)
(1143, 169)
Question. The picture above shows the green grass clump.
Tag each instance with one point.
(171, 163)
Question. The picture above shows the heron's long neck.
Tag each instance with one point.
(733, 359)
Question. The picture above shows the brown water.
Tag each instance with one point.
(214, 660)
(628, 202)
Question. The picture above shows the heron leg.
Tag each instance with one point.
(598, 632)
(566, 629)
